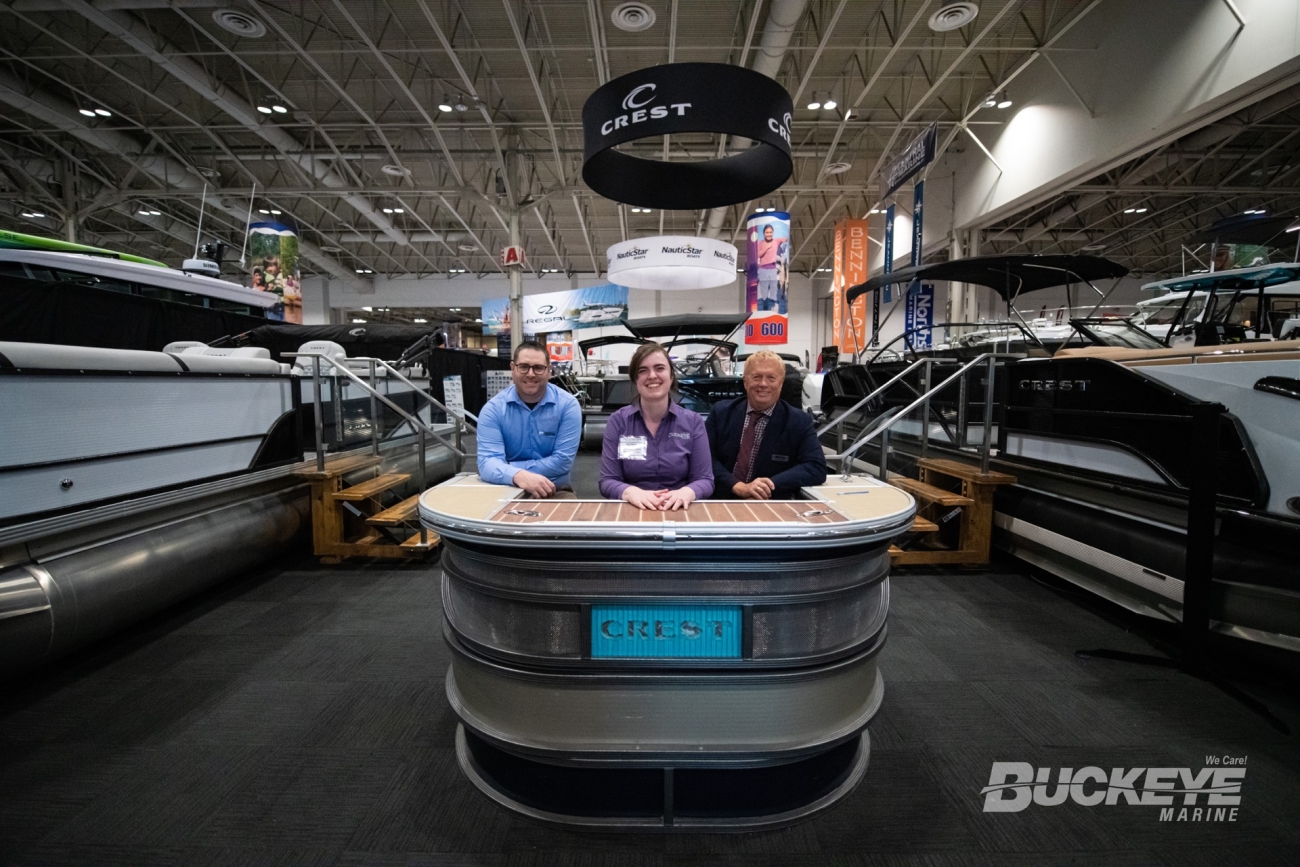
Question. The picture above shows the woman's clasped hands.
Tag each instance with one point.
(662, 500)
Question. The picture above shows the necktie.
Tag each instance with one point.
(745, 459)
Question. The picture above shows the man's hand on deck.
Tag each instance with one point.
(759, 489)
(537, 485)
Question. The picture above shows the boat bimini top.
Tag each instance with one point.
(1008, 276)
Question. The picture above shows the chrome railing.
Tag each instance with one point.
(418, 425)
(880, 427)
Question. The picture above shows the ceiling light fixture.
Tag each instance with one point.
(1005, 101)
(633, 16)
(263, 211)
(264, 109)
(358, 321)
(953, 16)
(86, 112)
(275, 212)
(103, 112)
(1140, 210)
(460, 105)
(155, 213)
(838, 168)
(1129, 210)
(444, 106)
(467, 248)
(33, 215)
(239, 23)
(368, 309)
(419, 321)
(399, 211)
(279, 109)
(388, 210)
(394, 171)
(991, 101)
(830, 103)
(814, 105)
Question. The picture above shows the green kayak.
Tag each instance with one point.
(19, 241)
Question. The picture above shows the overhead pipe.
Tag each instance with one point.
(173, 60)
(63, 115)
(782, 17)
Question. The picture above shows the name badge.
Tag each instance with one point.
(780, 459)
(631, 448)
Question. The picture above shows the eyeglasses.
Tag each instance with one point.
(538, 369)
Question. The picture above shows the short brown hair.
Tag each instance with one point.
(644, 351)
(529, 344)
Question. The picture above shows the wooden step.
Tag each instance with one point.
(413, 543)
(372, 487)
(340, 465)
(395, 515)
(931, 493)
(940, 557)
(921, 525)
(966, 472)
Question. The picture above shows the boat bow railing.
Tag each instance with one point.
(421, 428)
(880, 427)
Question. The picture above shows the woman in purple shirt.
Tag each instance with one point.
(655, 454)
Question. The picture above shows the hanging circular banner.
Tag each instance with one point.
(672, 262)
(682, 98)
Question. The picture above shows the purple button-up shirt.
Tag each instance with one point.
(676, 456)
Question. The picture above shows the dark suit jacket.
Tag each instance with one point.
(788, 454)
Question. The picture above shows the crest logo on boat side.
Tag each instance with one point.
(1054, 384)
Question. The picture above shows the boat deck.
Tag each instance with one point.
(298, 716)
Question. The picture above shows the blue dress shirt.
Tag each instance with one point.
(543, 440)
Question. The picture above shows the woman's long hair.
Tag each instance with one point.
(644, 351)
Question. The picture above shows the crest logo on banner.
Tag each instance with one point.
(850, 264)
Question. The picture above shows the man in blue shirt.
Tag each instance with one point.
(528, 434)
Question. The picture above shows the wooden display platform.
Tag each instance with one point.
(388, 533)
(950, 484)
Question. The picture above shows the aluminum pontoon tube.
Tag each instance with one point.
(69, 595)
(613, 668)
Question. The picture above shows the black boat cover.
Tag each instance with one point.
(1008, 276)
(379, 341)
(686, 324)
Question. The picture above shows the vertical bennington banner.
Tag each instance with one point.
(850, 270)
(888, 268)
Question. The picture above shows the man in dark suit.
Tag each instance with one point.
(763, 448)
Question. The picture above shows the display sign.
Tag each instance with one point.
(850, 270)
(683, 98)
(888, 268)
(666, 631)
(767, 329)
(918, 313)
(918, 208)
(496, 381)
(453, 395)
(590, 307)
(559, 347)
(512, 257)
(672, 262)
(273, 255)
(916, 156)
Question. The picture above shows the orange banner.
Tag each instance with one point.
(850, 325)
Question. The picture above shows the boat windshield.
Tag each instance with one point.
(1115, 332)
(1166, 312)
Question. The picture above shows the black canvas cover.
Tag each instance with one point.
(1008, 276)
(33, 311)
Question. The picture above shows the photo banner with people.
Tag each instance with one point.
(273, 251)
(767, 278)
(590, 307)
(849, 326)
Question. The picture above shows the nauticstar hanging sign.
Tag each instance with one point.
(680, 98)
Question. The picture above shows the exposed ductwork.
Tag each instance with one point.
(173, 60)
(63, 115)
(782, 17)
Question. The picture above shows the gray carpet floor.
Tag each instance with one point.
(297, 716)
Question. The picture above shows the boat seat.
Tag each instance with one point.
(230, 359)
(1123, 354)
(303, 366)
(53, 356)
(176, 347)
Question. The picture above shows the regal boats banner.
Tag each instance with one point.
(767, 278)
(849, 326)
(273, 249)
(590, 307)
